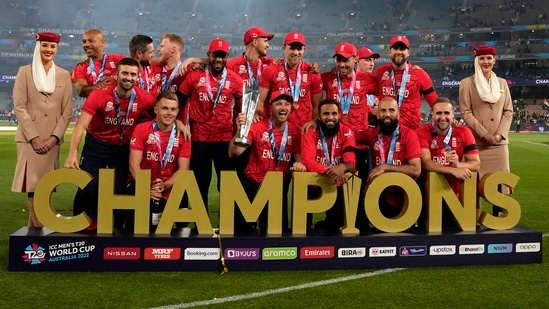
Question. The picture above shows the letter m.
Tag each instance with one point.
(232, 195)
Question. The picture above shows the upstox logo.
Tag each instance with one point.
(500, 248)
(442, 250)
(280, 253)
(528, 247)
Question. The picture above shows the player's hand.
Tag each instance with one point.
(258, 114)
(462, 173)
(307, 125)
(315, 68)
(298, 167)
(72, 162)
(182, 128)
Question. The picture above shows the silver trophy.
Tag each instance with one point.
(249, 103)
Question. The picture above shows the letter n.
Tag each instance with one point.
(232, 193)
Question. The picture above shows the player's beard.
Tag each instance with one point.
(388, 128)
(329, 132)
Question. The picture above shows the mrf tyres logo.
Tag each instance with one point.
(279, 253)
(166, 254)
(34, 254)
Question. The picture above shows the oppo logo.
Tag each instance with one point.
(528, 247)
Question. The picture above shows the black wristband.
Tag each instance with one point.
(57, 138)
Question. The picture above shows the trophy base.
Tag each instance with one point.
(242, 142)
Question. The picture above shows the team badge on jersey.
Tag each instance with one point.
(305, 77)
(134, 107)
(176, 142)
(318, 145)
(454, 143)
(109, 107)
(334, 83)
(385, 75)
(242, 69)
(112, 65)
(357, 85)
(228, 84)
(434, 144)
(397, 147)
(265, 137)
(281, 76)
(289, 140)
(201, 82)
(150, 139)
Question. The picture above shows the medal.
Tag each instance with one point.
(296, 105)
(345, 118)
(448, 153)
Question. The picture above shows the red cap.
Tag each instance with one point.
(345, 50)
(399, 39)
(48, 37)
(485, 50)
(219, 45)
(367, 53)
(254, 33)
(294, 37)
(277, 95)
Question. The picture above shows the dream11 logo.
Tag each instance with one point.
(34, 254)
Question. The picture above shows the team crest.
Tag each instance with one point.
(289, 140)
(201, 82)
(334, 83)
(228, 84)
(242, 69)
(265, 137)
(434, 144)
(454, 143)
(176, 142)
(281, 76)
(112, 65)
(109, 107)
(318, 145)
(150, 140)
(305, 77)
(357, 85)
(134, 107)
(385, 75)
(397, 147)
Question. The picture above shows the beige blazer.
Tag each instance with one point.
(40, 114)
(483, 117)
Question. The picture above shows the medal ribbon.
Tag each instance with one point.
(295, 89)
(371, 99)
(280, 154)
(166, 84)
(145, 82)
(118, 116)
(402, 89)
(254, 82)
(389, 158)
(346, 100)
(101, 70)
(447, 138)
(330, 156)
(219, 87)
(171, 141)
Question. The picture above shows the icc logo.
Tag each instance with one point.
(34, 254)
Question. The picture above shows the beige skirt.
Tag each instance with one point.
(494, 159)
(31, 167)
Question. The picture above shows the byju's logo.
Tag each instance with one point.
(500, 248)
(242, 253)
(34, 254)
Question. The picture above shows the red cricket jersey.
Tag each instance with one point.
(312, 151)
(144, 140)
(262, 159)
(209, 124)
(83, 71)
(418, 82)
(462, 141)
(102, 106)
(240, 67)
(275, 78)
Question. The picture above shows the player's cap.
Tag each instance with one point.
(485, 50)
(254, 33)
(365, 53)
(48, 37)
(400, 39)
(294, 37)
(277, 95)
(345, 49)
(218, 45)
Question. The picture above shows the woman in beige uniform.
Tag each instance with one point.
(42, 97)
(486, 107)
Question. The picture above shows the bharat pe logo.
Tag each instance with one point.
(34, 254)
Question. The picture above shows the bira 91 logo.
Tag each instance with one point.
(166, 254)
(34, 254)
(358, 252)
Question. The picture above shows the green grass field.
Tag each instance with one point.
(509, 286)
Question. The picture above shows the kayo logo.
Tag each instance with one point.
(34, 254)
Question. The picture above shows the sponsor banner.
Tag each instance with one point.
(356, 252)
(169, 254)
(326, 252)
(382, 251)
(280, 253)
(121, 253)
(412, 251)
(242, 254)
(471, 249)
(442, 250)
(500, 248)
(528, 247)
(201, 254)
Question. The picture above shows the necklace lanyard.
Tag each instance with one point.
(346, 100)
(166, 84)
(371, 99)
(294, 88)
(118, 114)
(219, 87)
(280, 154)
(391, 153)
(101, 70)
(402, 89)
(330, 156)
(171, 141)
(254, 82)
(447, 138)
(144, 82)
